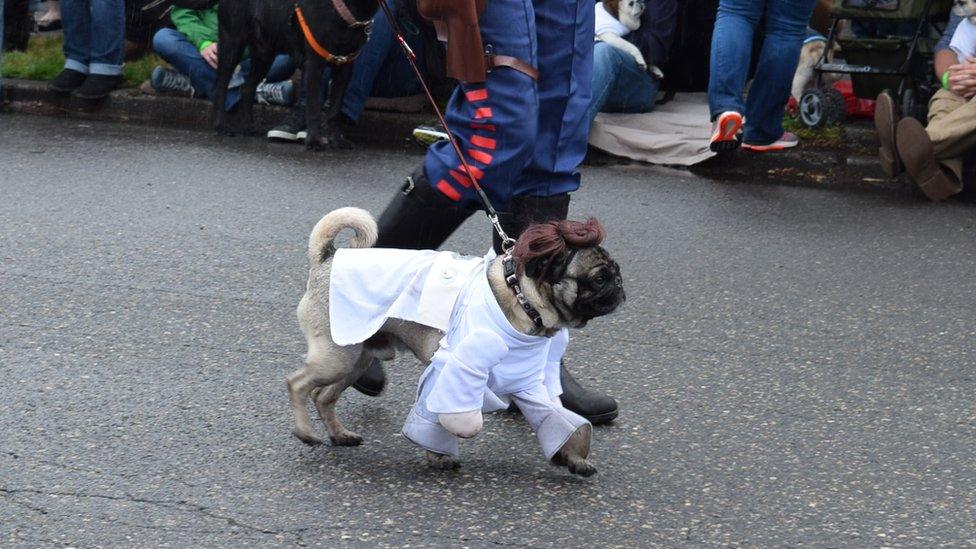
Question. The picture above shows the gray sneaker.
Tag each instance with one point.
(165, 80)
(275, 93)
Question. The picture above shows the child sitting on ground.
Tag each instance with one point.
(191, 48)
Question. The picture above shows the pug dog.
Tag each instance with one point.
(484, 326)
(615, 19)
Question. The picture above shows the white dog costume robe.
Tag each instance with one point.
(482, 363)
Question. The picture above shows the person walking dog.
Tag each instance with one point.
(522, 129)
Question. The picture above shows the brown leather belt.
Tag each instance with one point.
(495, 61)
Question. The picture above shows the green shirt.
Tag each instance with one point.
(199, 26)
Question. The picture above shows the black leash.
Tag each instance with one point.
(507, 242)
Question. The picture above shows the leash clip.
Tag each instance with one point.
(507, 242)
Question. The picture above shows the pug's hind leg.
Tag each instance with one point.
(443, 462)
(325, 365)
(325, 403)
(299, 386)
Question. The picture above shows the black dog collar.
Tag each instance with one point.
(511, 278)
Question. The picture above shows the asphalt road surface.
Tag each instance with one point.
(794, 366)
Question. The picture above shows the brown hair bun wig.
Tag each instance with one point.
(542, 243)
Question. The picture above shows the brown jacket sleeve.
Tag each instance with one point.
(465, 51)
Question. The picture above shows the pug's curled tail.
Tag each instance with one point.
(321, 243)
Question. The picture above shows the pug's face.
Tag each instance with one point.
(586, 285)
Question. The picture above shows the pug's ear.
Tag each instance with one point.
(534, 268)
(546, 269)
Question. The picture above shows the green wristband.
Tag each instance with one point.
(945, 80)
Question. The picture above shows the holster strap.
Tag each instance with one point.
(494, 61)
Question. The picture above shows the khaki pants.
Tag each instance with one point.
(952, 128)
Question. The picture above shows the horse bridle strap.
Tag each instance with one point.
(318, 48)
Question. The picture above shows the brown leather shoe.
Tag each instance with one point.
(915, 149)
(885, 122)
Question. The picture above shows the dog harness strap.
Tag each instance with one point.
(316, 47)
(494, 61)
(511, 278)
(343, 10)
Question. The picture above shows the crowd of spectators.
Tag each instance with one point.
(99, 35)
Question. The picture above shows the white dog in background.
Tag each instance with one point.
(964, 39)
(803, 78)
(615, 19)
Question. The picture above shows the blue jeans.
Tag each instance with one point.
(786, 22)
(173, 46)
(619, 85)
(94, 34)
(381, 70)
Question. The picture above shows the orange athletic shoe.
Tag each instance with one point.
(725, 132)
(786, 141)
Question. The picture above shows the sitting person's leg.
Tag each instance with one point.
(275, 88)
(281, 69)
(619, 85)
(174, 47)
(952, 125)
(382, 69)
(932, 154)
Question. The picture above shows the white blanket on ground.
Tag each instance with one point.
(675, 134)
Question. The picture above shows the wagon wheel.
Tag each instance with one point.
(811, 108)
(836, 110)
(819, 107)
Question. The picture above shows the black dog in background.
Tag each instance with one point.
(333, 32)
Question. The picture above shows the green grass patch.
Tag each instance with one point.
(43, 60)
(826, 136)
(136, 72)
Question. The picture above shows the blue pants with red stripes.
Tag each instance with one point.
(522, 137)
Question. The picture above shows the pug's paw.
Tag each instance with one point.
(346, 438)
(443, 462)
(581, 467)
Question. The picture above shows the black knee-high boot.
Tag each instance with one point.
(597, 407)
(418, 218)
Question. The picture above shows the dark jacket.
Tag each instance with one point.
(656, 32)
